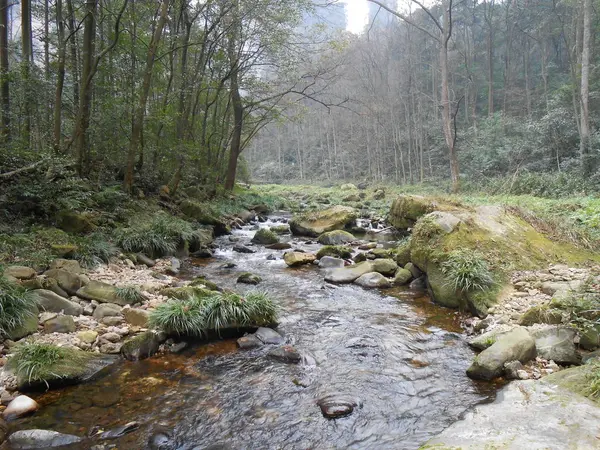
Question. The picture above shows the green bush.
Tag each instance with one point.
(162, 235)
(467, 271)
(196, 316)
(94, 250)
(16, 306)
(37, 362)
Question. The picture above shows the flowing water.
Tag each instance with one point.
(402, 359)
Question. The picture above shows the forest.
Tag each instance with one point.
(499, 95)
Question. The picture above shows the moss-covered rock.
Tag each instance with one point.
(407, 209)
(19, 272)
(249, 278)
(74, 222)
(402, 254)
(142, 346)
(336, 237)
(294, 259)
(337, 251)
(185, 292)
(316, 223)
(575, 379)
(383, 253)
(280, 229)
(402, 277)
(387, 267)
(202, 281)
(103, 293)
(541, 314)
(264, 236)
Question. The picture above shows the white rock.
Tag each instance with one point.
(19, 407)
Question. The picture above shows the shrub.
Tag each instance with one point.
(196, 316)
(16, 306)
(94, 250)
(38, 362)
(161, 236)
(466, 271)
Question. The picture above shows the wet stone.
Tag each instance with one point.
(336, 405)
(286, 354)
(269, 336)
(248, 342)
(242, 249)
(19, 407)
(40, 439)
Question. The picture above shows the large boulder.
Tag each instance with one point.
(557, 344)
(74, 222)
(107, 310)
(336, 237)
(407, 209)
(101, 292)
(505, 241)
(265, 236)
(70, 265)
(51, 302)
(294, 259)
(316, 223)
(373, 280)
(68, 281)
(516, 345)
(349, 274)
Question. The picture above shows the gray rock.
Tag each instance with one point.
(557, 344)
(19, 272)
(40, 439)
(420, 284)
(60, 324)
(402, 277)
(101, 292)
(373, 280)
(135, 316)
(268, 336)
(414, 270)
(249, 278)
(242, 249)
(142, 346)
(329, 262)
(68, 281)
(143, 259)
(516, 345)
(512, 369)
(485, 340)
(248, 342)
(384, 266)
(29, 326)
(70, 265)
(286, 354)
(336, 405)
(51, 302)
(113, 321)
(337, 237)
(349, 273)
(526, 415)
(106, 310)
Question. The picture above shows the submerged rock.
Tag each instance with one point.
(516, 345)
(329, 262)
(337, 237)
(279, 246)
(242, 249)
(336, 405)
(286, 354)
(249, 278)
(19, 407)
(40, 439)
(249, 341)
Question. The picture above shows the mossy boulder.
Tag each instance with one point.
(407, 209)
(506, 242)
(316, 223)
(203, 282)
(402, 254)
(249, 278)
(402, 277)
(103, 293)
(74, 222)
(19, 272)
(264, 236)
(28, 326)
(575, 379)
(387, 267)
(337, 251)
(294, 259)
(51, 302)
(383, 253)
(185, 292)
(280, 229)
(69, 282)
(336, 237)
(541, 314)
(142, 346)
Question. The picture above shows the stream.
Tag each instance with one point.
(400, 357)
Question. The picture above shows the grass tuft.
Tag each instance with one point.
(16, 306)
(94, 250)
(130, 294)
(467, 271)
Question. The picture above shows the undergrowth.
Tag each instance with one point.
(16, 306)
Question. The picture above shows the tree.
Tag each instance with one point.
(584, 142)
(4, 72)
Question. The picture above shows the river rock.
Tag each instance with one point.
(60, 324)
(329, 262)
(279, 246)
(119, 431)
(106, 310)
(70, 265)
(27, 327)
(486, 340)
(314, 224)
(87, 336)
(402, 277)
(516, 345)
(249, 341)
(242, 249)
(414, 270)
(19, 272)
(526, 415)
(513, 369)
(368, 246)
(387, 267)
(286, 354)
(249, 278)
(19, 407)
(265, 236)
(348, 274)
(143, 259)
(142, 346)
(557, 344)
(420, 284)
(40, 439)
(101, 292)
(294, 259)
(335, 405)
(336, 237)
(373, 280)
(268, 336)
(68, 281)
(51, 302)
(541, 314)
(135, 316)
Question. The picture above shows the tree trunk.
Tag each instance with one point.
(60, 77)
(138, 121)
(584, 142)
(74, 58)
(4, 79)
(26, 67)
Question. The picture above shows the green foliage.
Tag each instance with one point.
(593, 389)
(162, 235)
(467, 271)
(94, 250)
(131, 294)
(196, 316)
(38, 362)
(16, 306)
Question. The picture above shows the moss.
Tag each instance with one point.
(201, 280)
(199, 212)
(185, 292)
(407, 209)
(402, 254)
(265, 236)
(336, 237)
(541, 314)
(577, 379)
(280, 229)
(336, 251)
